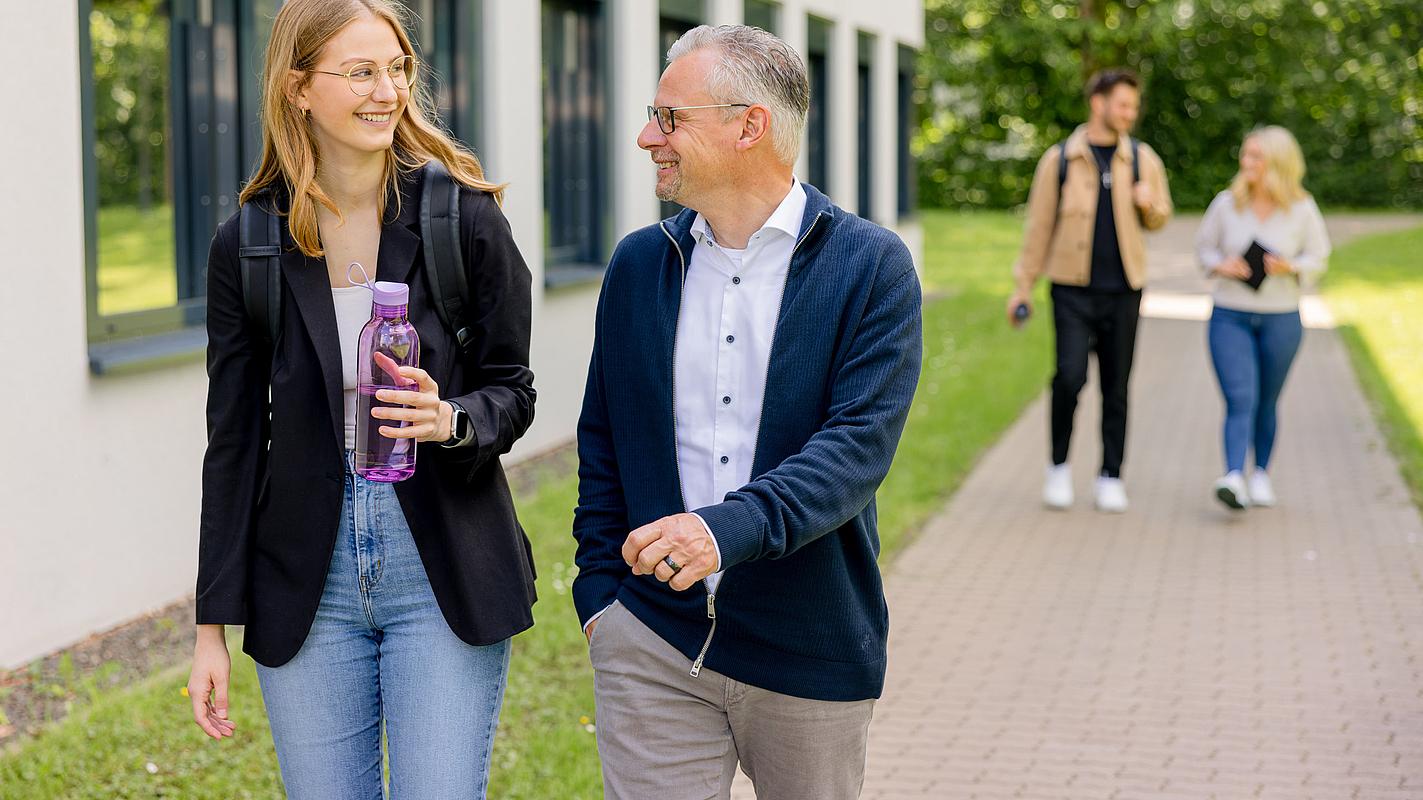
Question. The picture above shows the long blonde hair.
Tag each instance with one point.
(289, 156)
(1284, 168)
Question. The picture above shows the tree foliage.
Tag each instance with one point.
(1001, 81)
(129, 44)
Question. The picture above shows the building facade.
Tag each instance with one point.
(131, 140)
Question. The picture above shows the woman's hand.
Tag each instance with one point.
(207, 684)
(427, 416)
(1274, 265)
(1233, 267)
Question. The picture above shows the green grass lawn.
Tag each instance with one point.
(136, 266)
(1375, 288)
(978, 375)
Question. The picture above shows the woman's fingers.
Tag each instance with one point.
(425, 414)
(421, 431)
(200, 709)
(387, 365)
(422, 378)
(199, 692)
(406, 398)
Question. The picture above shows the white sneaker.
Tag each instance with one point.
(1111, 495)
(1261, 492)
(1057, 488)
(1230, 489)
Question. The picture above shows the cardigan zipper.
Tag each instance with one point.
(711, 593)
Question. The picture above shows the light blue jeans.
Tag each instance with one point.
(379, 652)
(1252, 354)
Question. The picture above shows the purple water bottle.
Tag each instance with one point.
(387, 343)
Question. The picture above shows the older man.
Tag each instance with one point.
(753, 366)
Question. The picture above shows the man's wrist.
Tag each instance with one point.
(711, 536)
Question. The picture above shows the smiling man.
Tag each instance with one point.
(754, 362)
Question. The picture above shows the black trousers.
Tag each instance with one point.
(1103, 323)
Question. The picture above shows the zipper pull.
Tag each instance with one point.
(697, 666)
(711, 606)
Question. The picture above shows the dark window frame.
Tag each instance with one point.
(762, 14)
(865, 134)
(907, 191)
(817, 125)
(574, 262)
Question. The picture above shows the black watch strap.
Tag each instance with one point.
(459, 425)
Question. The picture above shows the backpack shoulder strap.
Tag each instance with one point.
(259, 250)
(444, 261)
(1135, 161)
(1061, 170)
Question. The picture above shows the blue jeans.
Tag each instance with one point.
(379, 652)
(1252, 354)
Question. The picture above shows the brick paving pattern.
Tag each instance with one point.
(1178, 650)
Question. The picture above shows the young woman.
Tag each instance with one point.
(369, 607)
(1254, 333)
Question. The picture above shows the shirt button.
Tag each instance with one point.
(725, 460)
(726, 401)
(736, 281)
(730, 339)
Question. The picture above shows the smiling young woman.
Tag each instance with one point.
(371, 608)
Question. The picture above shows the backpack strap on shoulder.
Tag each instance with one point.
(444, 261)
(259, 250)
(1135, 161)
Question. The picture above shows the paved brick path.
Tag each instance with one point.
(1176, 651)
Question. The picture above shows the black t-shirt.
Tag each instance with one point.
(1108, 274)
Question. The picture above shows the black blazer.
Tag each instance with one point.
(274, 469)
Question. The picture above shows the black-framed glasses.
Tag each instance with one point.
(363, 77)
(667, 121)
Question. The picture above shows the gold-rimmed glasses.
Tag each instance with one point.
(363, 77)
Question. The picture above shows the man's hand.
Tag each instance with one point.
(1142, 196)
(683, 537)
(1019, 298)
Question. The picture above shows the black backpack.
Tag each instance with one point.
(260, 247)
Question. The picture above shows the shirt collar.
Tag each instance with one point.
(786, 218)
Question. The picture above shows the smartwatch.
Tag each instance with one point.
(459, 426)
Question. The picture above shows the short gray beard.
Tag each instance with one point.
(673, 189)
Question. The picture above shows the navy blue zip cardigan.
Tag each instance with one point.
(800, 609)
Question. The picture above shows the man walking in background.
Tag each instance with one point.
(1091, 197)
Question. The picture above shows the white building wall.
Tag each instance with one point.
(99, 515)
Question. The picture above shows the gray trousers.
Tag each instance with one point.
(664, 735)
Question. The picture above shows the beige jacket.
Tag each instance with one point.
(1058, 239)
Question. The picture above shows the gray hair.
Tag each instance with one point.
(756, 67)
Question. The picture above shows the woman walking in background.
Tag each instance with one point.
(1255, 329)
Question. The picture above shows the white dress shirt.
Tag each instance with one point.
(730, 305)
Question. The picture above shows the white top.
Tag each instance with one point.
(730, 306)
(1296, 234)
(353, 311)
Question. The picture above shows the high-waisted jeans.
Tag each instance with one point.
(381, 658)
(1252, 354)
